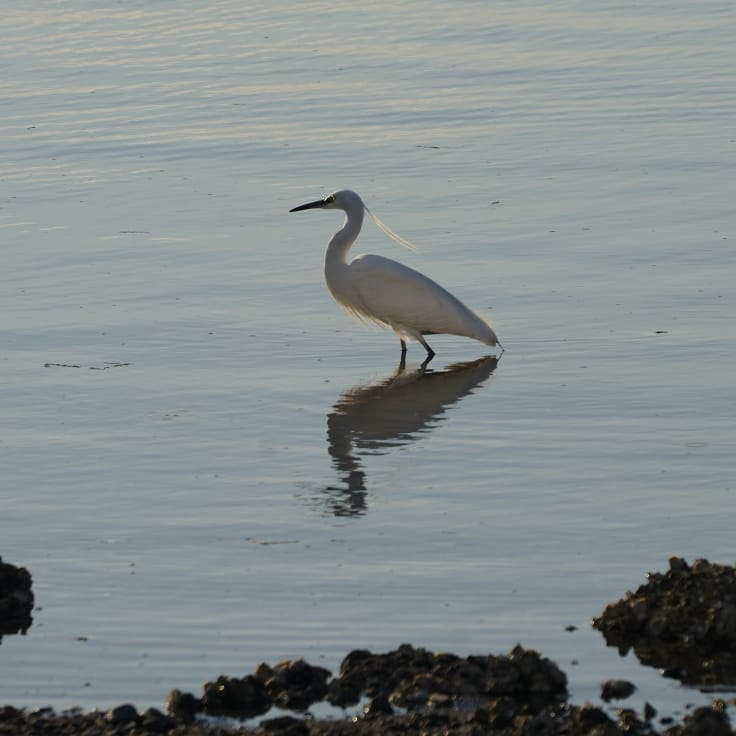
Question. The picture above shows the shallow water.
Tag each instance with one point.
(206, 465)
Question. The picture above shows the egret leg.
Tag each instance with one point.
(402, 359)
(430, 352)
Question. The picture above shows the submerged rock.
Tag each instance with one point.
(617, 690)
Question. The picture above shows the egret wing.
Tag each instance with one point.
(390, 292)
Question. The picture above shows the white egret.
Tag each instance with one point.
(378, 289)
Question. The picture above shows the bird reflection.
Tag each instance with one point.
(370, 419)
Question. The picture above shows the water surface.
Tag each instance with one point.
(206, 465)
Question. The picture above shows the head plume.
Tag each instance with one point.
(394, 236)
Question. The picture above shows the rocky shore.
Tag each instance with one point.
(682, 621)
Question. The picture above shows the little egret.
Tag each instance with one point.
(377, 289)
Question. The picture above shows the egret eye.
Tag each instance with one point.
(330, 199)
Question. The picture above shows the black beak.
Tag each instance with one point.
(309, 205)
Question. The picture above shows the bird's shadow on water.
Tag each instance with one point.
(371, 419)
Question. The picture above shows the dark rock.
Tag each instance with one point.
(707, 721)
(439, 700)
(16, 599)
(682, 621)
(183, 706)
(294, 685)
(629, 722)
(154, 720)
(237, 697)
(122, 714)
(503, 716)
(518, 694)
(501, 712)
(412, 678)
(650, 711)
(344, 691)
(617, 690)
(8, 713)
(591, 717)
(378, 706)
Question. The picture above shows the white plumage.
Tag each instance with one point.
(381, 290)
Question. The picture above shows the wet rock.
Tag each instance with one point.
(16, 599)
(707, 721)
(294, 685)
(154, 720)
(8, 713)
(344, 691)
(617, 690)
(122, 714)
(591, 718)
(378, 706)
(501, 712)
(236, 697)
(517, 694)
(183, 706)
(682, 621)
(416, 679)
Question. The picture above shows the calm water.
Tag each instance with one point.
(205, 465)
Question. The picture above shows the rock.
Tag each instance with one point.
(294, 685)
(707, 721)
(244, 697)
(682, 621)
(415, 679)
(183, 706)
(617, 690)
(378, 706)
(518, 694)
(122, 714)
(501, 712)
(154, 720)
(16, 599)
(344, 691)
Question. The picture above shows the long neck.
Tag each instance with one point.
(338, 247)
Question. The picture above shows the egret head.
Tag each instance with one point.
(345, 200)
(352, 205)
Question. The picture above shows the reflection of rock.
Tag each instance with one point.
(16, 599)
(372, 419)
(682, 621)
